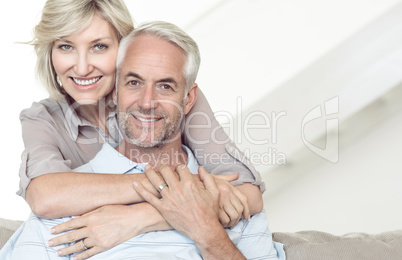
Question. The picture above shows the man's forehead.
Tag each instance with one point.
(154, 44)
(150, 54)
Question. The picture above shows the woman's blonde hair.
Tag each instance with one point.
(65, 17)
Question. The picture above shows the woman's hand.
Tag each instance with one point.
(100, 230)
(233, 204)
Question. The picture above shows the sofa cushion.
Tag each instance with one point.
(311, 245)
(7, 228)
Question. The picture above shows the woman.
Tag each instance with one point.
(76, 42)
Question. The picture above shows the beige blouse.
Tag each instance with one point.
(56, 139)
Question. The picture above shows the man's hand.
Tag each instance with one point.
(191, 209)
(100, 230)
(188, 207)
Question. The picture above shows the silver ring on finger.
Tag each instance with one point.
(161, 187)
(83, 245)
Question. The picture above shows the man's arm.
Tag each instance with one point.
(217, 244)
(191, 210)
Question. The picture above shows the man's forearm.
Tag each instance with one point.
(217, 245)
(72, 194)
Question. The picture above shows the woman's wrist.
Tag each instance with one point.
(149, 217)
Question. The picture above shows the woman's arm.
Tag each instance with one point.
(55, 142)
(110, 225)
(73, 194)
(218, 154)
(51, 147)
(107, 227)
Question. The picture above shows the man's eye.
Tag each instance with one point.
(166, 87)
(133, 83)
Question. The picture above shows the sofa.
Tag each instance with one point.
(308, 245)
(7, 228)
(315, 245)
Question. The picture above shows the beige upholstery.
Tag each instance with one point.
(7, 228)
(308, 245)
(314, 245)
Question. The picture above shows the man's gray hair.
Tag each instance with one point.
(172, 34)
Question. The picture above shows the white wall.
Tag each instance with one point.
(250, 49)
(360, 193)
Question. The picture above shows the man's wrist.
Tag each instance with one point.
(217, 245)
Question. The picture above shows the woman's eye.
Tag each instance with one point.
(65, 47)
(100, 47)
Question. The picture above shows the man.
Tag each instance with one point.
(153, 94)
(155, 88)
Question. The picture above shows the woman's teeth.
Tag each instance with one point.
(86, 82)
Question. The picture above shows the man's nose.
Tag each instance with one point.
(148, 98)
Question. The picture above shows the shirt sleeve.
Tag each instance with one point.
(42, 154)
(213, 148)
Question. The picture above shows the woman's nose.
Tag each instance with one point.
(83, 66)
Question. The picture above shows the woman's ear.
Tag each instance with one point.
(191, 98)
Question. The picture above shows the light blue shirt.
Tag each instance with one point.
(109, 160)
(30, 241)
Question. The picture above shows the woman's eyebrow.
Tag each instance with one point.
(101, 39)
(93, 41)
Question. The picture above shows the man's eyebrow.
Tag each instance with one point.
(163, 80)
(133, 75)
(168, 80)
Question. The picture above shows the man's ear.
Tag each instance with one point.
(114, 95)
(191, 98)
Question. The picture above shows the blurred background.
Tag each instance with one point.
(309, 89)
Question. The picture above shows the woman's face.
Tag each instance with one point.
(86, 62)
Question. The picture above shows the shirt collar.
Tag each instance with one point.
(72, 121)
(109, 160)
(192, 163)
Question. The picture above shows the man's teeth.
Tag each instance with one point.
(86, 82)
(146, 119)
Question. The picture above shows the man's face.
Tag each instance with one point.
(151, 89)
